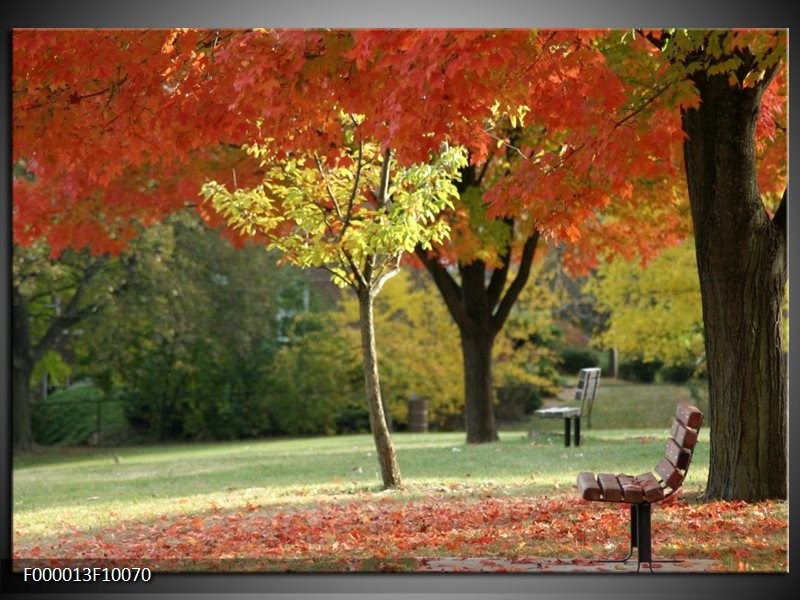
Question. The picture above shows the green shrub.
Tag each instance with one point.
(676, 373)
(353, 420)
(514, 402)
(639, 370)
(79, 415)
(575, 358)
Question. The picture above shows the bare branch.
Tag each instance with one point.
(347, 218)
(339, 276)
(500, 274)
(505, 142)
(354, 267)
(331, 195)
(386, 276)
(383, 195)
(450, 290)
(72, 313)
(643, 106)
(514, 290)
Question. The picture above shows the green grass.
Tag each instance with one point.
(69, 493)
(57, 491)
(624, 405)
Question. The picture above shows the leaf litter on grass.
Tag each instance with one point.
(389, 532)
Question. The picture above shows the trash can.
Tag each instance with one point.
(417, 414)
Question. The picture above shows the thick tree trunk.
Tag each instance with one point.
(390, 471)
(480, 309)
(477, 338)
(21, 368)
(476, 349)
(741, 260)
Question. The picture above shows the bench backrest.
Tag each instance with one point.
(588, 380)
(673, 467)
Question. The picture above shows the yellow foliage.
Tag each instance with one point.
(530, 319)
(655, 311)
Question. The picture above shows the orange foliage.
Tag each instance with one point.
(118, 128)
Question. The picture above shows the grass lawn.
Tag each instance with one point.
(66, 494)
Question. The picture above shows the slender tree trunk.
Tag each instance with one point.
(479, 408)
(390, 471)
(21, 368)
(741, 260)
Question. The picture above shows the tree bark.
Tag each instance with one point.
(26, 352)
(390, 471)
(741, 261)
(480, 309)
(21, 368)
(478, 406)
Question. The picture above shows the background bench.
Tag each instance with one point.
(641, 491)
(588, 380)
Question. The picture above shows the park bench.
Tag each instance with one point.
(588, 380)
(641, 491)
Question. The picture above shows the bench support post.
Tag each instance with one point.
(567, 430)
(643, 529)
(578, 430)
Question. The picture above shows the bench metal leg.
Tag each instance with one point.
(567, 432)
(643, 532)
(578, 430)
(634, 539)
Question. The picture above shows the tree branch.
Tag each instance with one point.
(339, 276)
(383, 194)
(386, 276)
(354, 267)
(507, 144)
(346, 219)
(641, 108)
(513, 292)
(447, 286)
(499, 276)
(658, 42)
(331, 195)
(72, 314)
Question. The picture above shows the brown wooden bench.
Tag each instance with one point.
(641, 491)
(588, 380)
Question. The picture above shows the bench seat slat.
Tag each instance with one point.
(557, 412)
(653, 492)
(678, 455)
(612, 490)
(689, 416)
(683, 436)
(632, 492)
(590, 489)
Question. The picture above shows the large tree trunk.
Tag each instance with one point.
(477, 338)
(476, 350)
(390, 471)
(21, 368)
(741, 261)
(480, 306)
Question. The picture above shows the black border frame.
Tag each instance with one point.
(355, 13)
